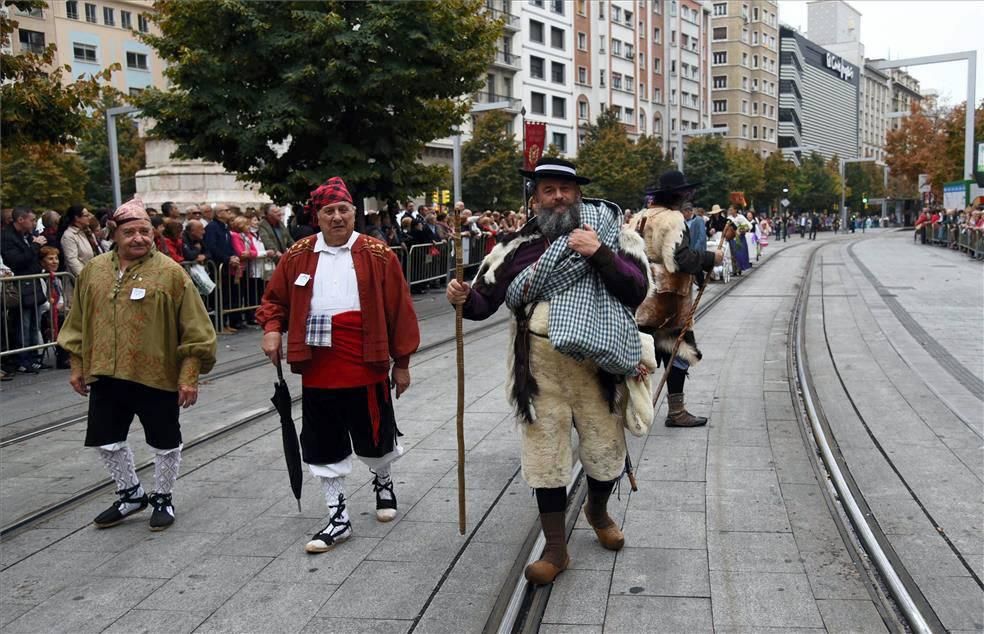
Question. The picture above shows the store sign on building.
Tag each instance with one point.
(838, 65)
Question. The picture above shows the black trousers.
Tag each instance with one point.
(337, 420)
(114, 402)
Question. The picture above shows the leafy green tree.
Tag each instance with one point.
(489, 161)
(706, 162)
(619, 168)
(39, 107)
(746, 173)
(42, 176)
(290, 93)
(93, 148)
(778, 174)
(818, 186)
(863, 180)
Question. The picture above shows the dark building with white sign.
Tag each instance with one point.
(818, 99)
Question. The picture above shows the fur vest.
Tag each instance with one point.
(665, 311)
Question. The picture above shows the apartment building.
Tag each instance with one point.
(547, 60)
(90, 36)
(874, 103)
(745, 73)
(818, 99)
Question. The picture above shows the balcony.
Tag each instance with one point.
(485, 96)
(506, 60)
(509, 21)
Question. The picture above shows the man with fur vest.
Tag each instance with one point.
(572, 278)
(673, 266)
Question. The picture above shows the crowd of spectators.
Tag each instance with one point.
(957, 229)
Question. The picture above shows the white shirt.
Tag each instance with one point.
(335, 287)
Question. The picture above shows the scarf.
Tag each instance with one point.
(586, 322)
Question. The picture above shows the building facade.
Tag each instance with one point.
(91, 36)
(818, 99)
(874, 102)
(745, 73)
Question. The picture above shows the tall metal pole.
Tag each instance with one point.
(522, 150)
(843, 188)
(969, 119)
(114, 160)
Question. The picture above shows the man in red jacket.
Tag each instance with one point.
(346, 307)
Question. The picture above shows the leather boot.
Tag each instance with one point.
(555, 559)
(678, 416)
(596, 512)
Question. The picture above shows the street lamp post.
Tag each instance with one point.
(114, 153)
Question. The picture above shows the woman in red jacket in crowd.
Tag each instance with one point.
(170, 243)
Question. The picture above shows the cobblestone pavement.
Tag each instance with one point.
(730, 530)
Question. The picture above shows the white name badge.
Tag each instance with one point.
(138, 293)
(302, 279)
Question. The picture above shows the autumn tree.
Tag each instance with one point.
(489, 163)
(42, 176)
(289, 93)
(916, 147)
(746, 173)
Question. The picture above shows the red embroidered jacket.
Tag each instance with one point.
(389, 323)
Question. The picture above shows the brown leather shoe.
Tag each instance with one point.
(678, 416)
(608, 533)
(555, 559)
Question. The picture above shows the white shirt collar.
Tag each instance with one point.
(320, 244)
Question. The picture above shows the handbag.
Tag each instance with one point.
(202, 281)
(11, 294)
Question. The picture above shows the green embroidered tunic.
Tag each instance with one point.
(146, 325)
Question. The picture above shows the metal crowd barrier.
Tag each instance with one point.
(213, 298)
(428, 262)
(236, 296)
(29, 325)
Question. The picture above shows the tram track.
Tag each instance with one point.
(856, 521)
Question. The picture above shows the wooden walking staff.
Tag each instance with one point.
(727, 234)
(459, 339)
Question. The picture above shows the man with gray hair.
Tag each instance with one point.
(572, 279)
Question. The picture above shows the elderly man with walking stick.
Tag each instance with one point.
(342, 299)
(572, 278)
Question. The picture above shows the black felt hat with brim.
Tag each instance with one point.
(670, 182)
(548, 167)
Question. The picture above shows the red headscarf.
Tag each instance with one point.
(331, 192)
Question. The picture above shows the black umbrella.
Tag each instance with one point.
(292, 450)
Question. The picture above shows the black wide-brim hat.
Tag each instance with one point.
(670, 182)
(548, 167)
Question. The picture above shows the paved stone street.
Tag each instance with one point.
(733, 528)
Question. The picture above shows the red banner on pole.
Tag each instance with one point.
(536, 136)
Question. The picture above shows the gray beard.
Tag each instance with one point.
(553, 225)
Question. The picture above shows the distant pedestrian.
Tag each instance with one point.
(346, 308)
(814, 225)
(138, 337)
(698, 231)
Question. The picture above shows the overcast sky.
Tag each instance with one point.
(896, 29)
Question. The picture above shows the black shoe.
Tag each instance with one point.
(127, 504)
(336, 532)
(163, 515)
(385, 508)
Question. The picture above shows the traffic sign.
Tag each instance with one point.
(784, 202)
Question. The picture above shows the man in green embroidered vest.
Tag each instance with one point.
(139, 337)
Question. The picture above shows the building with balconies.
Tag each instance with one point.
(745, 73)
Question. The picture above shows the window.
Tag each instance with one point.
(84, 52)
(538, 103)
(673, 67)
(616, 13)
(721, 81)
(657, 66)
(656, 35)
(629, 83)
(642, 61)
(721, 8)
(559, 141)
(755, 107)
(628, 18)
(557, 37)
(755, 14)
(755, 84)
(630, 115)
(629, 50)
(557, 6)
(744, 36)
(744, 130)
(109, 17)
(142, 24)
(744, 59)
(658, 95)
(582, 75)
(720, 33)
(72, 9)
(755, 37)
(537, 3)
(536, 31)
(582, 7)
(657, 125)
(126, 19)
(601, 42)
(557, 72)
(135, 91)
(582, 41)
(31, 41)
(582, 110)
(719, 57)
(33, 12)
(90, 13)
(744, 83)
(558, 107)
(617, 81)
(720, 105)
(601, 77)
(536, 67)
(616, 47)
(136, 61)
(755, 61)
(755, 132)
(601, 10)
